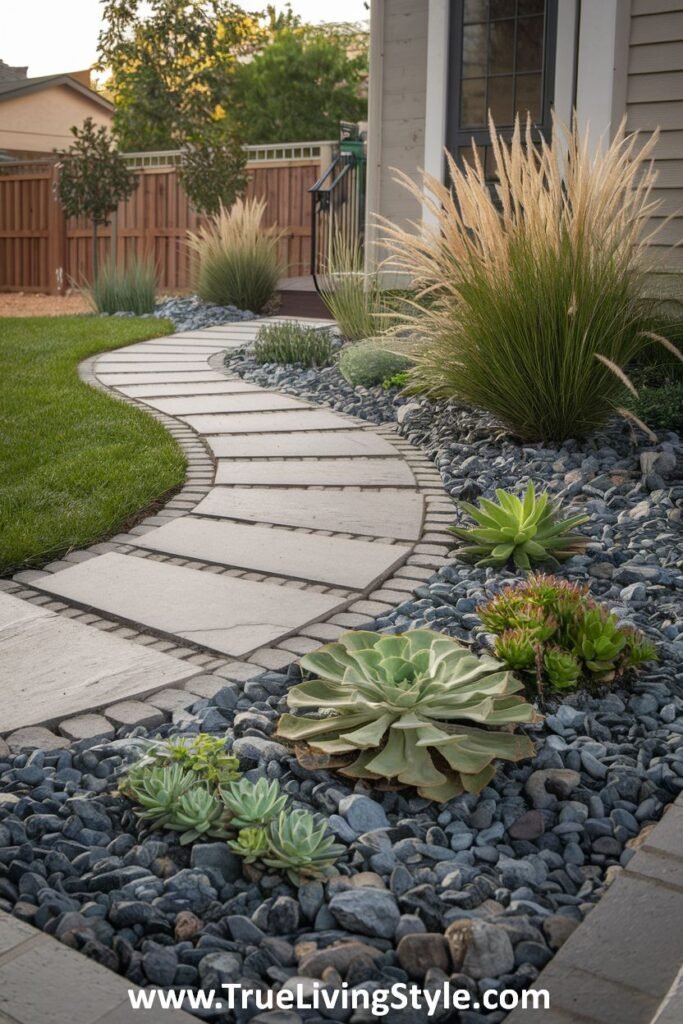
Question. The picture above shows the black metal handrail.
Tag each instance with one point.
(338, 207)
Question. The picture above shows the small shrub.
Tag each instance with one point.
(396, 706)
(537, 286)
(129, 289)
(559, 637)
(368, 364)
(521, 531)
(193, 786)
(397, 380)
(235, 259)
(353, 297)
(290, 342)
(661, 407)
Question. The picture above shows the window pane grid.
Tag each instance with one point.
(502, 61)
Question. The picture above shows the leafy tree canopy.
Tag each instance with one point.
(302, 83)
(172, 64)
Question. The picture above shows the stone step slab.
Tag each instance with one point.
(126, 355)
(300, 444)
(222, 613)
(265, 422)
(219, 387)
(52, 667)
(159, 377)
(395, 514)
(317, 472)
(356, 564)
(256, 401)
(148, 366)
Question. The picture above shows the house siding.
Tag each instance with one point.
(40, 121)
(654, 99)
(398, 76)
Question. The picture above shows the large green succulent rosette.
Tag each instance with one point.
(418, 709)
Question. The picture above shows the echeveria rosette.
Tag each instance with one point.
(524, 531)
(299, 844)
(253, 803)
(400, 704)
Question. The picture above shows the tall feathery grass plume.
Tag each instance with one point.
(234, 257)
(535, 283)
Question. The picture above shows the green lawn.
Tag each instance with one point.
(75, 464)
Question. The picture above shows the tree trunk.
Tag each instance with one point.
(94, 250)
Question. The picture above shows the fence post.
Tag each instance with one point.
(56, 237)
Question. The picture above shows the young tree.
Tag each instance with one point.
(302, 83)
(213, 172)
(93, 178)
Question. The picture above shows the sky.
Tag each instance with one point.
(51, 36)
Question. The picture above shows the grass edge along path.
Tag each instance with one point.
(76, 464)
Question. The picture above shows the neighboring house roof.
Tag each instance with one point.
(25, 86)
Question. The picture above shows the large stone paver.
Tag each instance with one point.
(42, 981)
(395, 514)
(52, 667)
(317, 472)
(300, 444)
(159, 377)
(228, 615)
(264, 422)
(161, 357)
(349, 563)
(218, 387)
(255, 401)
(196, 364)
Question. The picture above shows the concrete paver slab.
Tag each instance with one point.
(225, 614)
(256, 401)
(53, 667)
(395, 514)
(218, 387)
(260, 422)
(300, 444)
(151, 366)
(320, 472)
(159, 377)
(125, 355)
(349, 563)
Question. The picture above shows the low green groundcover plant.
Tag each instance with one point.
(522, 531)
(129, 289)
(193, 786)
(369, 363)
(396, 380)
(559, 638)
(395, 707)
(77, 465)
(290, 342)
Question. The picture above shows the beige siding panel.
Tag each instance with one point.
(669, 144)
(670, 198)
(657, 28)
(669, 173)
(651, 115)
(650, 88)
(655, 6)
(664, 258)
(644, 60)
(671, 233)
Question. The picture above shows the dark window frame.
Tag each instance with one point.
(458, 138)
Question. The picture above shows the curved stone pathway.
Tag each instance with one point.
(295, 523)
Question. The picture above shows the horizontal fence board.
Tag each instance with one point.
(40, 250)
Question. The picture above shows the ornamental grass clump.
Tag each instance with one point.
(129, 289)
(535, 286)
(353, 297)
(559, 638)
(193, 786)
(235, 258)
(416, 709)
(521, 531)
(289, 342)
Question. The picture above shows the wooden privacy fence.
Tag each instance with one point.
(41, 250)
